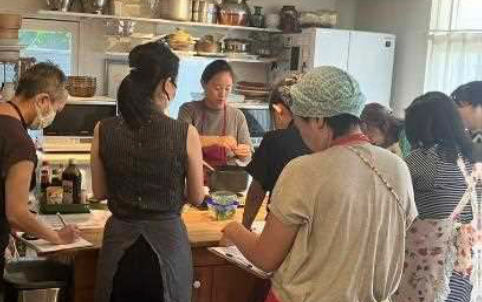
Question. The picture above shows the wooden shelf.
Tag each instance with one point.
(124, 57)
(95, 100)
(80, 16)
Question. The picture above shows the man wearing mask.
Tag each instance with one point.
(40, 95)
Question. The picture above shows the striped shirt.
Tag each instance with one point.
(439, 186)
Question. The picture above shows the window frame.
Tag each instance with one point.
(73, 27)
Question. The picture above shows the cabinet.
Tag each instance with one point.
(216, 280)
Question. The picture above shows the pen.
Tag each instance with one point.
(64, 223)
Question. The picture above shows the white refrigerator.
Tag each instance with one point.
(367, 56)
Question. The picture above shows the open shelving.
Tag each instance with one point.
(84, 16)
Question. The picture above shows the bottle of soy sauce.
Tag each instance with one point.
(44, 179)
(72, 184)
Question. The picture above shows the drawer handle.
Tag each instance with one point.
(196, 284)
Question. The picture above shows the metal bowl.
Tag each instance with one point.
(228, 178)
(94, 6)
(60, 5)
(237, 46)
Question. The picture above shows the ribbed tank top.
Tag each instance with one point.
(145, 168)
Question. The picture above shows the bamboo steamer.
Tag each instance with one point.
(10, 21)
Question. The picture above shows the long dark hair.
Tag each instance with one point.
(151, 64)
(377, 115)
(433, 119)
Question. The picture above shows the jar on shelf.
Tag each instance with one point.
(257, 19)
(233, 12)
(290, 19)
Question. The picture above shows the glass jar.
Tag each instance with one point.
(257, 19)
(290, 19)
(233, 12)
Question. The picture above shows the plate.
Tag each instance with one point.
(11, 48)
(9, 42)
(211, 54)
(253, 93)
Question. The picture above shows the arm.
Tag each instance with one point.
(291, 208)
(244, 148)
(195, 188)
(99, 185)
(254, 200)
(16, 207)
(267, 251)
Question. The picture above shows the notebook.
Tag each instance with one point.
(43, 246)
(233, 255)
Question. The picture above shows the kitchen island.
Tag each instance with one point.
(215, 279)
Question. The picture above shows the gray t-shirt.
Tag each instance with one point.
(350, 244)
(209, 122)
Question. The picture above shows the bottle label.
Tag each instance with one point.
(54, 195)
(68, 191)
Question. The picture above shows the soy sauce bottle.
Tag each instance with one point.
(72, 184)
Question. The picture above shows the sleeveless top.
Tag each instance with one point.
(145, 174)
(145, 168)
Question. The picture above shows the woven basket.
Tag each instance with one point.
(82, 86)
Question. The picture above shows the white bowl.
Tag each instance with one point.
(11, 48)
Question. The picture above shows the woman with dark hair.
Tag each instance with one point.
(224, 131)
(382, 127)
(142, 162)
(439, 163)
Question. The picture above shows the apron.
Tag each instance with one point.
(167, 237)
(435, 249)
(214, 155)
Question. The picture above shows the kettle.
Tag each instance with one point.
(180, 10)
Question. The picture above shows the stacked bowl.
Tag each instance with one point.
(10, 25)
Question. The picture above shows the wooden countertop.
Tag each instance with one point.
(203, 231)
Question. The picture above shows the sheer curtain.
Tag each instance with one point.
(455, 44)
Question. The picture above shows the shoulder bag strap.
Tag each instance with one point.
(382, 178)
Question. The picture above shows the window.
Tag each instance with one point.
(455, 44)
(45, 40)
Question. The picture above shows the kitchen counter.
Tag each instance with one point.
(215, 279)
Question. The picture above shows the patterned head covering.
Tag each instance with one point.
(281, 91)
(326, 92)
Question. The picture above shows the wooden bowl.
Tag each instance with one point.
(81, 86)
(10, 21)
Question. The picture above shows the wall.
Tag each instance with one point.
(409, 21)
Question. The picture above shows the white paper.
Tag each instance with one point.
(43, 246)
(232, 253)
(94, 220)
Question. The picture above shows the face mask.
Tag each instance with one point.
(42, 122)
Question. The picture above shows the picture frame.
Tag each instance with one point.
(115, 71)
